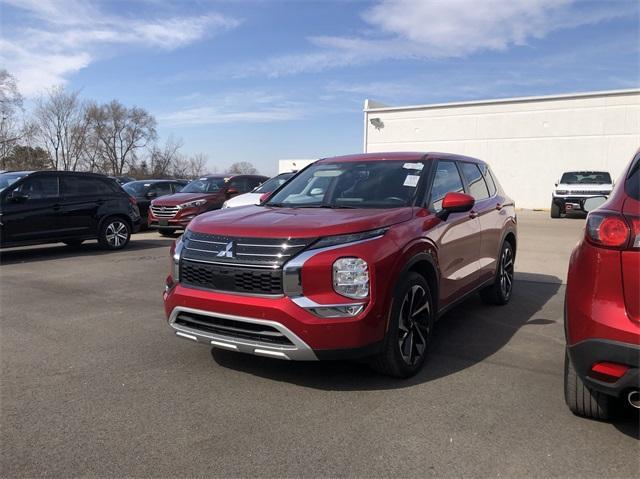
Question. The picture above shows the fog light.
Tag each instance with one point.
(346, 311)
(351, 278)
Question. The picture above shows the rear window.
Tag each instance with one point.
(477, 186)
(632, 183)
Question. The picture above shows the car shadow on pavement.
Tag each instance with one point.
(466, 335)
(56, 251)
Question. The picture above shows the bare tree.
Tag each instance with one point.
(62, 127)
(163, 159)
(191, 167)
(12, 129)
(121, 133)
(242, 168)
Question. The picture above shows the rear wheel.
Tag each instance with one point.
(167, 232)
(500, 291)
(581, 400)
(114, 233)
(555, 210)
(407, 340)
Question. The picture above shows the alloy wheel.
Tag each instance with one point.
(414, 325)
(506, 272)
(116, 234)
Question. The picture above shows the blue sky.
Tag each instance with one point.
(265, 80)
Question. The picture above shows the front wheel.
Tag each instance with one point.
(410, 329)
(555, 210)
(500, 291)
(114, 233)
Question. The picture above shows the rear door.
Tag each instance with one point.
(82, 198)
(457, 238)
(35, 215)
(487, 207)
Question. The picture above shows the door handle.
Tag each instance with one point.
(473, 214)
(498, 206)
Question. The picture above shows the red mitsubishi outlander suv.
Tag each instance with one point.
(602, 307)
(174, 212)
(355, 256)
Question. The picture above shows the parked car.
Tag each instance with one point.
(67, 207)
(253, 197)
(174, 212)
(574, 187)
(123, 180)
(356, 256)
(602, 312)
(146, 190)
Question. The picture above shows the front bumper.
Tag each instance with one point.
(311, 337)
(591, 351)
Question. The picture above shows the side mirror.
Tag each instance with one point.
(593, 203)
(456, 203)
(232, 191)
(265, 196)
(17, 197)
(556, 183)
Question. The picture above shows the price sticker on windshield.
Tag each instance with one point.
(411, 180)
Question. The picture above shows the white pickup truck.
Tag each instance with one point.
(574, 187)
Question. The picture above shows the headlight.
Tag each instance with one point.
(349, 238)
(175, 259)
(351, 278)
(192, 204)
(561, 192)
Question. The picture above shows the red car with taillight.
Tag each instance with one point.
(602, 308)
(355, 256)
(174, 212)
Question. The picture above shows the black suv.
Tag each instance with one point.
(61, 206)
(146, 190)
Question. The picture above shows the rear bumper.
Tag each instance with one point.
(591, 351)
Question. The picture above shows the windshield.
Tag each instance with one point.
(273, 184)
(136, 188)
(7, 179)
(204, 185)
(375, 184)
(586, 177)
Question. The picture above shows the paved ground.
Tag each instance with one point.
(94, 384)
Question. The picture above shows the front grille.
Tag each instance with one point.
(231, 278)
(232, 328)
(164, 211)
(260, 252)
(588, 192)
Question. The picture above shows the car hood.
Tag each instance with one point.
(243, 200)
(265, 222)
(585, 187)
(179, 198)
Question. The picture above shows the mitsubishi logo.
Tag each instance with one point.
(227, 252)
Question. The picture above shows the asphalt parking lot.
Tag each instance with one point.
(95, 384)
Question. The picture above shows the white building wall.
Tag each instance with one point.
(528, 142)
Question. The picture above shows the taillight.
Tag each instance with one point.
(612, 230)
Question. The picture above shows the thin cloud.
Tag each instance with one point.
(65, 36)
(409, 29)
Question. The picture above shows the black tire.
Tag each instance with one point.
(73, 243)
(115, 233)
(555, 210)
(581, 400)
(502, 288)
(167, 232)
(410, 330)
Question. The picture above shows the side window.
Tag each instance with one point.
(488, 179)
(84, 186)
(477, 186)
(239, 184)
(446, 179)
(39, 187)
